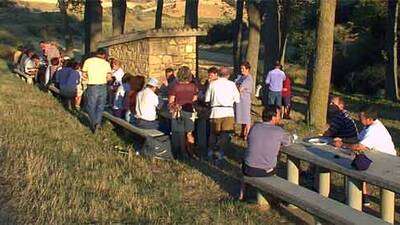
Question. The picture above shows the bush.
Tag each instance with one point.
(368, 81)
(222, 33)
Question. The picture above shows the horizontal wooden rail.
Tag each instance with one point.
(324, 208)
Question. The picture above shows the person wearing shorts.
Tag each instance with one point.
(222, 94)
(274, 81)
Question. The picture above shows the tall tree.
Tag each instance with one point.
(237, 37)
(392, 91)
(323, 65)
(68, 38)
(118, 16)
(275, 31)
(191, 13)
(160, 5)
(253, 46)
(93, 25)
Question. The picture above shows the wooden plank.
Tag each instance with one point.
(141, 132)
(312, 202)
(54, 89)
(28, 78)
(383, 172)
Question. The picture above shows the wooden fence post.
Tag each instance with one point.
(354, 199)
(324, 182)
(293, 172)
(387, 205)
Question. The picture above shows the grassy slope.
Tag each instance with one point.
(55, 171)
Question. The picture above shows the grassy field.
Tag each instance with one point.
(54, 171)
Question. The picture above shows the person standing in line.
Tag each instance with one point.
(287, 97)
(222, 94)
(244, 83)
(181, 99)
(68, 79)
(202, 124)
(274, 81)
(97, 71)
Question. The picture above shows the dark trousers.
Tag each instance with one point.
(256, 172)
(96, 97)
(145, 124)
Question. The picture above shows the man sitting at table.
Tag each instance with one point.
(374, 136)
(264, 142)
(341, 125)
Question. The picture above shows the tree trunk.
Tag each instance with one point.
(271, 35)
(391, 66)
(323, 65)
(237, 37)
(68, 37)
(191, 13)
(160, 5)
(118, 16)
(310, 70)
(253, 47)
(93, 25)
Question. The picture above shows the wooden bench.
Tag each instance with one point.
(145, 133)
(28, 78)
(136, 130)
(319, 206)
(53, 89)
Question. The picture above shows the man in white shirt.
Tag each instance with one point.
(146, 105)
(374, 136)
(274, 82)
(222, 94)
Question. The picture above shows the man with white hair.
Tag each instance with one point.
(147, 103)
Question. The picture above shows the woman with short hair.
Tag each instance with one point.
(244, 83)
(181, 99)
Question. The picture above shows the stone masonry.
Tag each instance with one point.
(149, 53)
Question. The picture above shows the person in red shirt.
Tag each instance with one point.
(287, 97)
(181, 99)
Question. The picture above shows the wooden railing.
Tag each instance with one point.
(384, 172)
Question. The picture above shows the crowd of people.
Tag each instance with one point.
(197, 115)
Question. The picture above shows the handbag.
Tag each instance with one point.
(361, 162)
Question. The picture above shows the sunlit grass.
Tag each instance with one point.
(54, 171)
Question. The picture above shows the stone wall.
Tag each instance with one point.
(150, 53)
(133, 56)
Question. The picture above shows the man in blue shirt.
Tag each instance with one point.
(264, 142)
(274, 82)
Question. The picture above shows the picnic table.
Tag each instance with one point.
(384, 172)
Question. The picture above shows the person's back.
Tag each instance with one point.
(184, 93)
(275, 80)
(146, 105)
(222, 94)
(264, 143)
(97, 70)
(378, 138)
(68, 78)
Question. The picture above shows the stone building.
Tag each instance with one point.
(150, 52)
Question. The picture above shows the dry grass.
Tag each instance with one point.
(54, 171)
